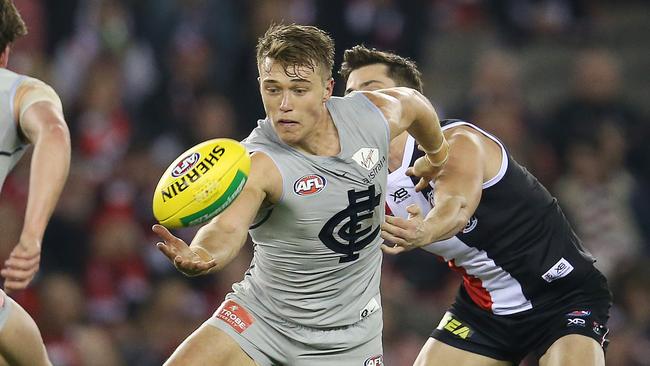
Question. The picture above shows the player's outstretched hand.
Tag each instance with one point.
(22, 264)
(189, 262)
(404, 234)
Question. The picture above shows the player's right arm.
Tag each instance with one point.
(406, 109)
(456, 195)
(39, 113)
(218, 242)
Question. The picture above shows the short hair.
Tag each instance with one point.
(12, 25)
(401, 69)
(297, 46)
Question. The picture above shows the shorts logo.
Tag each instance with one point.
(234, 315)
(599, 329)
(578, 313)
(471, 224)
(185, 165)
(560, 269)
(576, 322)
(374, 361)
(366, 157)
(309, 184)
(454, 326)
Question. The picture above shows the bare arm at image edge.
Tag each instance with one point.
(39, 114)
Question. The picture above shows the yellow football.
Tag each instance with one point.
(201, 183)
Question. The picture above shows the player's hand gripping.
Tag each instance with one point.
(189, 261)
(426, 169)
(404, 234)
(22, 264)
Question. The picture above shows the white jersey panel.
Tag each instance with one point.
(401, 190)
(505, 292)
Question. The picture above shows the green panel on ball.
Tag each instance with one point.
(219, 205)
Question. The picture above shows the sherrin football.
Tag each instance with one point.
(201, 183)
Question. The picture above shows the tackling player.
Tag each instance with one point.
(528, 285)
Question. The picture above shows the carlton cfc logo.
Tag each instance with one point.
(185, 165)
(309, 184)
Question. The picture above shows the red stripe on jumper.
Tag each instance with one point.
(474, 287)
(388, 210)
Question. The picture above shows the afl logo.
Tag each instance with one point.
(309, 184)
(374, 361)
(471, 224)
(185, 165)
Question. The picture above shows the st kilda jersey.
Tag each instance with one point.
(517, 252)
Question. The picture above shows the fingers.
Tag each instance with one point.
(22, 263)
(163, 232)
(397, 226)
(394, 220)
(20, 254)
(394, 239)
(18, 278)
(11, 285)
(169, 251)
(170, 240)
(392, 250)
(413, 210)
(191, 265)
(402, 232)
(422, 184)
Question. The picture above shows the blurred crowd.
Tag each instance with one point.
(142, 80)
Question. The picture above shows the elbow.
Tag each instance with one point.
(461, 223)
(56, 134)
(60, 132)
(462, 216)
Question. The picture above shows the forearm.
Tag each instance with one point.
(219, 241)
(49, 170)
(446, 219)
(426, 130)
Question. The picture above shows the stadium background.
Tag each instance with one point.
(564, 83)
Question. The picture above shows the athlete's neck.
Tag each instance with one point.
(323, 140)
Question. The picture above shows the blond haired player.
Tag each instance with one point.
(30, 112)
(313, 205)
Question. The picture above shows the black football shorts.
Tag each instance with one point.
(512, 337)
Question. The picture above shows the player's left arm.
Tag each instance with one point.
(457, 193)
(40, 119)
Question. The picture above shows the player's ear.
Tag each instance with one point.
(329, 89)
(4, 57)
